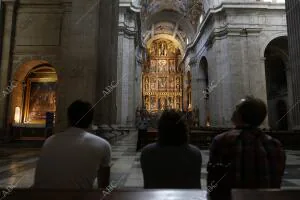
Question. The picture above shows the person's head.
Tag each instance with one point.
(250, 112)
(80, 114)
(172, 129)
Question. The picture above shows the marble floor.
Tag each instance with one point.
(17, 165)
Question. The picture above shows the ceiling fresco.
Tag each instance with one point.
(164, 28)
(149, 7)
(188, 8)
(156, 18)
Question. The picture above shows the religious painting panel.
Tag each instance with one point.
(40, 99)
(162, 83)
(147, 84)
(153, 103)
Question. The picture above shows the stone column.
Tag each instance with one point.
(293, 16)
(90, 61)
(260, 90)
(138, 78)
(195, 86)
(198, 97)
(126, 102)
(6, 57)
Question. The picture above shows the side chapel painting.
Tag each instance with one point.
(40, 96)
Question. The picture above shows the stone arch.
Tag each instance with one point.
(204, 69)
(168, 37)
(171, 16)
(188, 90)
(25, 68)
(270, 38)
(204, 86)
(18, 95)
(277, 82)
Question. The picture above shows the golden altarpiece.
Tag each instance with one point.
(162, 78)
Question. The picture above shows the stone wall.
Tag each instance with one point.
(127, 67)
(35, 40)
(90, 61)
(233, 39)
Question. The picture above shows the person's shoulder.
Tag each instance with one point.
(149, 148)
(228, 135)
(195, 150)
(49, 140)
(96, 140)
(275, 142)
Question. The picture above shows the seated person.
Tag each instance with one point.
(245, 157)
(171, 162)
(142, 130)
(74, 158)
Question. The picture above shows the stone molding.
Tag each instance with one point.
(225, 6)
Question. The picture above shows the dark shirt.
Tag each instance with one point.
(255, 160)
(171, 166)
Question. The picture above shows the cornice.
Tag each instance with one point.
(130, 5)
(226, 6)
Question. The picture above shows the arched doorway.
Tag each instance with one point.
(189, 92)
(204, 87)
(276, 59)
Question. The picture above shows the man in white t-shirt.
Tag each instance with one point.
(74, 158)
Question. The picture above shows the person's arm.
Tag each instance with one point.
(213, 160)
(279, 165)
(103, 177)
(104, 169)
(142, 162)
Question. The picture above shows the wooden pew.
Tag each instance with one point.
(134, 194)
(291, 194)
(202, 137)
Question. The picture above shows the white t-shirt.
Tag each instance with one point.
(71, 159)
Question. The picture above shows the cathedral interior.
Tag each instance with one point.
(198, 57)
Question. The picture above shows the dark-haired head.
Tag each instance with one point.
(172, 129)
(250, 112)
(80, 114)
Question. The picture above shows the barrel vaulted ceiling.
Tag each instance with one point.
(172, 19)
